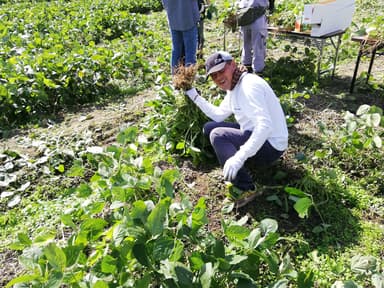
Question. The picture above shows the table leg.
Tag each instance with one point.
(336, 56)
(320, 58)
(373, 54)
(356, 68)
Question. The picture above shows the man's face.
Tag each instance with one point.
(223, 78)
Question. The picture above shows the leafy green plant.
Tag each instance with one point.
(357, 145)
(370, 24)
(129, 231)
(66, 61)
(163, 243)
(285, 13)
(364, 130)
(123, 225)
(366, 267)
(177, 123)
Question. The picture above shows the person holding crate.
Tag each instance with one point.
(254, 35)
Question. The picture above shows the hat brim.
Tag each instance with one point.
(216, 68)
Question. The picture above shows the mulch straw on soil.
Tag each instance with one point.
(184, 77)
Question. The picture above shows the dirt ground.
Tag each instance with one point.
(105, 122)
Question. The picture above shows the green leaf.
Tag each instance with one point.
(77, 169)
(140, 252)
(162, 248)
(207, 274)
(72, 254)
(302, 206)
(243, 280)
(44, 237)
(168, 91)
(138, 233)
(196, 261)
(49, 83)
(60, 168)
(84, 190)
(378, 280)
(294, 191)
(306, 280)
(363, 264)
(93, 227)
(270, 240)
(127, 136)
(100, 284)
(375, 119)
(286, 266)
(167, 180)
(139, 211)
(180, 145)
(273, 261)
(22, 279)
(67, 221)
(24, 239)
(55, 279)
(178, 251)
(254, 238)
(157, 218)
(282, 283)
(237, 232)
(363, 109)
(55, 256)
(378, 142)
(143, 282)
(108, 264)
(236, 259)
(228, 207)
(199, 216)
(219, 249)
(184, 276)
(268, 226)
(346, 284)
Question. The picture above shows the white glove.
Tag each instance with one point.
(192, 94)
(231, 167)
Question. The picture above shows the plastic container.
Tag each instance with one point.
(298, 23)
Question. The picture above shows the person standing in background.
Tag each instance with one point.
(203, 15)
(254, 37)
(183, 18)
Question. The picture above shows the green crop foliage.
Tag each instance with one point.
(60, 54)
(79, 215)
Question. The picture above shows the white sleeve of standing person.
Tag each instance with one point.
(216, 113)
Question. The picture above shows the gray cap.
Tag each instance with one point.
(217, 61)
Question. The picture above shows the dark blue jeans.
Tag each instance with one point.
(184, 43)
(226, 139)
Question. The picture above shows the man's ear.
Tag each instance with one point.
(233, 64)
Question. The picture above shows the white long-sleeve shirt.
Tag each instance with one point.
(257, 109)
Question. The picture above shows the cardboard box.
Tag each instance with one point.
(328, 16)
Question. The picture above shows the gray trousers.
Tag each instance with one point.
(254, 38)
(226, 139)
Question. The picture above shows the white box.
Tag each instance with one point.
(328, 16)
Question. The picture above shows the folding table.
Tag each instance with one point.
(319, 42)
(370, 47)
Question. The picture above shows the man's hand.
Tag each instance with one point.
(192, 94)
(231, 167)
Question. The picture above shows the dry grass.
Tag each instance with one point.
(184, 77)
